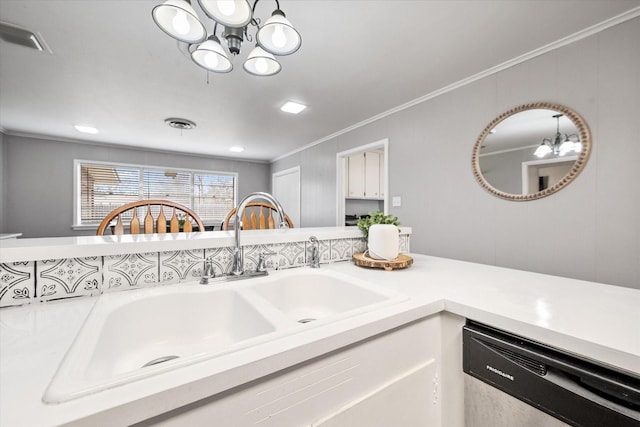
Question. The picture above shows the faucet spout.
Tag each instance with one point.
(238, 261)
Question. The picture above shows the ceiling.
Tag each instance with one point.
(113, 68)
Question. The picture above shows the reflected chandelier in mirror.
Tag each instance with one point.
(531, 151)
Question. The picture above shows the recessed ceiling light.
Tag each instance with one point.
(236, 149)
(86, 129)
(293, 107)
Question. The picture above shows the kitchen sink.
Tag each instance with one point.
(134, 334)
(131, 335)
(310, 295)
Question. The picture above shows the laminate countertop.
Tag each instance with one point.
(599, 321)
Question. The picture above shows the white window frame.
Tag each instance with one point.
(77, 163)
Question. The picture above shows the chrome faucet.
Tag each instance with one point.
(238, 261)
(314, 262)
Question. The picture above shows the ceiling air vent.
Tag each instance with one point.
(21, 36)
(182, 124)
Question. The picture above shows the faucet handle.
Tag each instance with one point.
(209, 271)
(314, 261)
(261, 263)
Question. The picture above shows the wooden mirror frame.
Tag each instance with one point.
(585, 139)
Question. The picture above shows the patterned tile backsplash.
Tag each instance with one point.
(18, 283)
(55, 279)
(67, 278)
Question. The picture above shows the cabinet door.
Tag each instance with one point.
(356, 176)
(372, 175)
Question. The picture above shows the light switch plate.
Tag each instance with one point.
(396, 201)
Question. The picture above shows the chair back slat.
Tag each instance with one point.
(245, 220)
(149, 224)
(271, 221)
(119, 227)
(261, 218)
(175, 223)
(187, 225)
(260, 222)
(148, 221)
(134, 225)
(161, 223)
(254, 224)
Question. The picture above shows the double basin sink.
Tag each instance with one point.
(132, 335)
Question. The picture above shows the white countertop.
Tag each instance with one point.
(598, 321)
(10, 236)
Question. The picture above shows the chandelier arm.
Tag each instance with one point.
(256, 21)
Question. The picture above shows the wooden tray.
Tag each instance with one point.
(403, 261)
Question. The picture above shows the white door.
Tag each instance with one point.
(286, 189)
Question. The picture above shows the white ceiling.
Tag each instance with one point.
(112, 67)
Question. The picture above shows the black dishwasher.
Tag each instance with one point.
(558, 388)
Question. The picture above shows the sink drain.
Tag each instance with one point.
(159, 360)
(306, 320)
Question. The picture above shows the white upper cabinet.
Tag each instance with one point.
(365, 176)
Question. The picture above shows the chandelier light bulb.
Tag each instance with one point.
(178, 19)
(211, 60)
(227, 7)
(180, 22)
(577, 147)
(210, 56)
(542, 151)
(261, 65)
(229, 13)
(279, 38)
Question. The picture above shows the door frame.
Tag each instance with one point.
(536, 164)
(382, 144)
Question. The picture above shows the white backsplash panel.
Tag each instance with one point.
(181, 266)
(131, 271)
(17, 283)
(68, 278)
(277, 255)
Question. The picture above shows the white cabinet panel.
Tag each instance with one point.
(356, 176)
(388, 379)
(365, 176)
(372, 175)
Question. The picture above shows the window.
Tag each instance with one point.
(103, 187)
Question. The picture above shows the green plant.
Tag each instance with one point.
(181, 219)
(377, 217)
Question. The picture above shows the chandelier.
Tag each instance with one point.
(276, 36)
(561, 144)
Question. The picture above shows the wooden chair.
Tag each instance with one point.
(261, 217)
(148, 223)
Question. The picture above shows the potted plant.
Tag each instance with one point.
(382, 235)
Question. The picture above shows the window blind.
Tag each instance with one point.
(105, 187)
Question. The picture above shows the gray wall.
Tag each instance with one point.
(504, 170)
(590, 230)
(38, 179)
(3, 167)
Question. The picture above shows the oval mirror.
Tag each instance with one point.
(531, 151)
